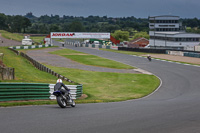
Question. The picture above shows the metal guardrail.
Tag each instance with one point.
(31, 47)
(33, 91)
(23, 91)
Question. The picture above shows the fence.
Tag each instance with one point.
(44, 68)
(7, 73)
(37, 64)
(33, 91)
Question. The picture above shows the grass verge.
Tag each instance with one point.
(24, 70)
(19, 37)
(88, 59)
(106, 86)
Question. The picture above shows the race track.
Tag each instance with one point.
(173, 108)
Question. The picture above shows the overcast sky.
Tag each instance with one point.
(111, 8)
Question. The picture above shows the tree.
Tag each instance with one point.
(141, 34)
(54, 28)
(76, 26)
(121, 35)
(3, 21)
(25, 23)
(17, 23)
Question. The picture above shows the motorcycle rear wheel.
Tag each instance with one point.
(61, 102)
(73, 103)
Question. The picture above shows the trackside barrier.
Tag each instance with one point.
(23, 91)
(180, 53)
(33, 91)
(190, 54)
(31, 47)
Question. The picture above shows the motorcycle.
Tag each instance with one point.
(62, 100)
(149, 58)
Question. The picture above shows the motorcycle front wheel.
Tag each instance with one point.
(61, 102)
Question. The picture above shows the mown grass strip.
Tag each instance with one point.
(106, 86)
(92, 60)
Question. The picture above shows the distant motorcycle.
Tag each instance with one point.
(62, 100)
(149, 57)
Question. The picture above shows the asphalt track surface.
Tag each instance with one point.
(173, 108)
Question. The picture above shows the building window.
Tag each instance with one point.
(175, 39)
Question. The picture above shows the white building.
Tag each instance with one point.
(167, 32)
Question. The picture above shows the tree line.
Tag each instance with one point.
(16, 23)
(46, 24)
(55, 23)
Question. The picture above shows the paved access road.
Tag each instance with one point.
(174, 108)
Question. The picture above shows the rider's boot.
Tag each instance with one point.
(70, 99)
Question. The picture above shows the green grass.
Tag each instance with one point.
(19, 37)
(24, 70)
(38, 39)
(13, 36)
(23, 103)
(92, 60)
(25, 50)
(105, 86)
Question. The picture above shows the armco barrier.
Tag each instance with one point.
(31, 47)
(33, 91)
(23, 91)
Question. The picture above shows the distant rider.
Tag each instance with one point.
(149, 57)
(59, 87)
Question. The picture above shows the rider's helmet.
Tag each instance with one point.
(59, 81)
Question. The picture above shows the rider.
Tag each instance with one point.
(59, 85)
(149, 57)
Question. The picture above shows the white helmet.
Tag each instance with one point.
(59, 81)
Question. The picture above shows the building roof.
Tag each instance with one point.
(163, 16)
(139, 39)
(138, 42)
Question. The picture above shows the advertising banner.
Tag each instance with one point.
(80, 35)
